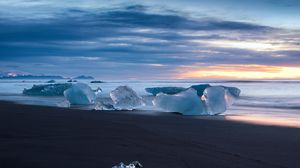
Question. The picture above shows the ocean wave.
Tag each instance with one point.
(269, 102)
(269, 106)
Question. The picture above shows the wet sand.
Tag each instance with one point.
(48, 137)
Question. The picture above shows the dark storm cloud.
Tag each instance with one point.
(79, 25)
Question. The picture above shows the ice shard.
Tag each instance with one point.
(80, 94)
(186, 102)
(214, 98)
(124, 98)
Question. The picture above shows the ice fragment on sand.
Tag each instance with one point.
(134, 164)
(80, 94)
(186, 102)
(214, 98)
(124, 98)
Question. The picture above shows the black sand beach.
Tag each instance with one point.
(47, 137)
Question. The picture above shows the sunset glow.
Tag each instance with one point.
(265, 120)
(244, 72)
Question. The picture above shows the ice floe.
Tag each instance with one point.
(200, 88)
(124, 98)
(233, 91)
(198, 100)
(80, 94)
(135, 164)
(186, 102)
(214, 98)
(47, 89)
(202, 99)
(167, 90)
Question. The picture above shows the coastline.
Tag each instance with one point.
(39, 136)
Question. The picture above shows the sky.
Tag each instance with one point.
(134, 39)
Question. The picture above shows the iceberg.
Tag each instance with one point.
(186, 102)
(202, 99)
(98, 91)
(229, 98)
(124, 98)
(214, 98)
(233, 91)
(80, 94)
(200, 88)
(174, 90)
(135, 164)
(47, 90)
(167, 90)
(104, 103)
(104, 106)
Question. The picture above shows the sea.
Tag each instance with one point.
(269, 102)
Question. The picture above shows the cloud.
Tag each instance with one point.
(132, 37)
(44, 37)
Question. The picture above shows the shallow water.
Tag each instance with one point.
(259, 100)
